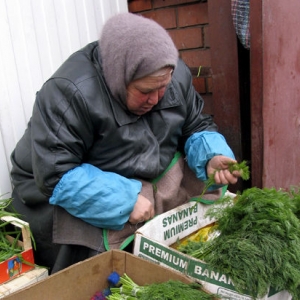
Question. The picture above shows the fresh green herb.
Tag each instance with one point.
(169, 290)
(9, 234)
(242, 167)
(258, 241)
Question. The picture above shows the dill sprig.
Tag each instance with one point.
(169, 290)
(258, 244)
(242, 167)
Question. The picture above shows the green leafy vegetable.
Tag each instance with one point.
(9, 246)
(258, 241)
(169, 290)
(242, 167)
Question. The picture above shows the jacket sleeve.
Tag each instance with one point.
(102, 199)
(61, 132)
(201, 147)
(200, 138)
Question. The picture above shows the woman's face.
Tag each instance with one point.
(144, 93)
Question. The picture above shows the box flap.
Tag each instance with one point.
(177, 223)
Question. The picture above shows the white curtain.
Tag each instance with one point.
(36, 36)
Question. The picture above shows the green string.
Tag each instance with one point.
(205, 201)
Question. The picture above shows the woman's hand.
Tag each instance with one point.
(218, 165)
(143, 211)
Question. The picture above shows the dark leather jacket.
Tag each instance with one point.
(76, 120)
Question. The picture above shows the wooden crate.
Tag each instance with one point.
(23, 262)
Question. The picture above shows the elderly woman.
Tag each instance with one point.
(116, 137)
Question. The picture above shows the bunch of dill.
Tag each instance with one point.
(169, 290)
(258, 244)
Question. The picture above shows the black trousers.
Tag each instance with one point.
(71, 254)
(68, 255)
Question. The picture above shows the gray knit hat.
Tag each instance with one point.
(132, 47)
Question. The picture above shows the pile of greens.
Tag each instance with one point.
(258, 241)
(169, 290)
(8, 247)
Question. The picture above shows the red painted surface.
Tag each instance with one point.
(281, 91)
(224, 64)
(256, 91)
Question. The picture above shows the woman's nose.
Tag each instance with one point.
(153, 98)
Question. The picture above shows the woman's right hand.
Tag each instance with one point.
(143, 211)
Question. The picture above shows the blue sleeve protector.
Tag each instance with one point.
(102, 199)
(201, 147)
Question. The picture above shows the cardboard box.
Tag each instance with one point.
(153, 242)
(14, 266)
(82, 280)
